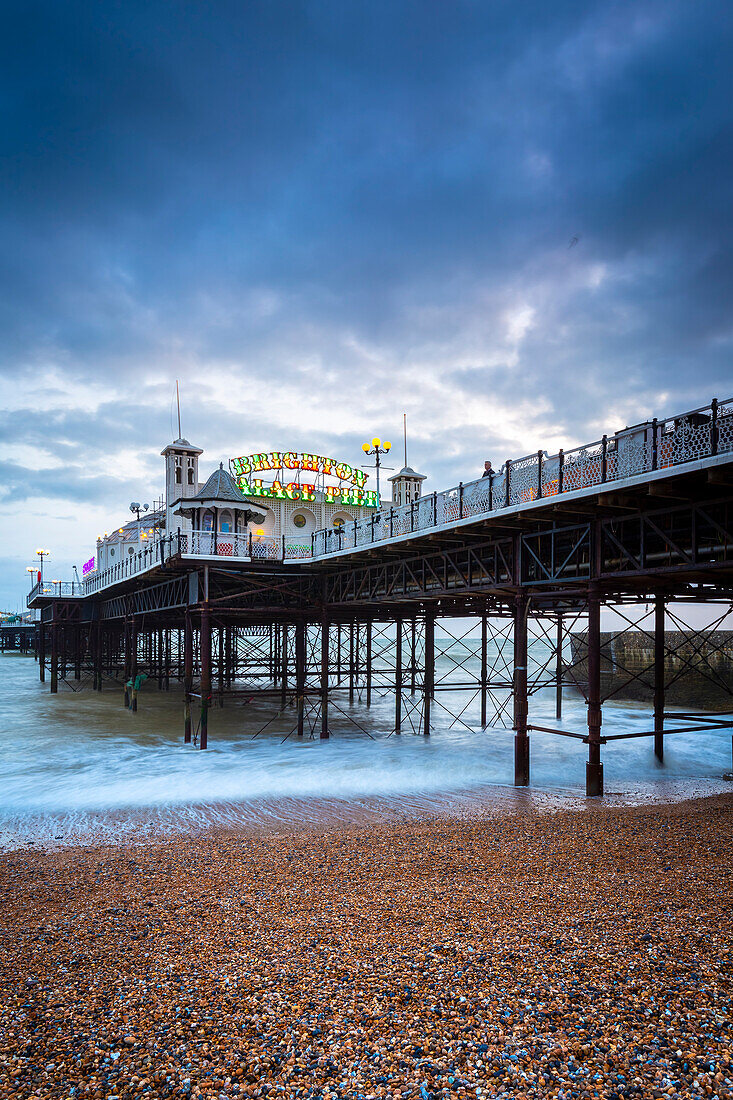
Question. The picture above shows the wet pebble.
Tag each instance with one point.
(565, 955)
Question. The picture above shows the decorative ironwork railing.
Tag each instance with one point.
(644, 448)
(53, 589)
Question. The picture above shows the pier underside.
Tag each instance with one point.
(508, 605)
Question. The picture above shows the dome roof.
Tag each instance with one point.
(407, 471)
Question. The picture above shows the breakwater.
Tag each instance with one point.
(698, 667)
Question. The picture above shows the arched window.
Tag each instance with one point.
(190, 475)
(178, 475)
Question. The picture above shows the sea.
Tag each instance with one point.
(80, 768)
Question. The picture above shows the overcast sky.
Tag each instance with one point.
(510, 219)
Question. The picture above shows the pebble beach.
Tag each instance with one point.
(582, 953)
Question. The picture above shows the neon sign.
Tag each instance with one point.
(88, 567)
(293, 460)
(352, 493)
(332, 494)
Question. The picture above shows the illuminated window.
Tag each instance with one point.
(299, 520)
(338, 521)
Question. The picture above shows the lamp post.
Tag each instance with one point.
(376, 448)
(31, 569)
(43, 554)
(138, 508)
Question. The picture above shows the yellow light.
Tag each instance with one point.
(376, 442)
(365, 448)
(119, 531)
(387, 446)
(143, 535)
(259, 531)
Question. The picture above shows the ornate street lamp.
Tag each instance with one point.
(377, 448)
(43, 554)
(138, 508)
(32, 569)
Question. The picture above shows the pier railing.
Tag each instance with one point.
(644, 448)
(53, 589)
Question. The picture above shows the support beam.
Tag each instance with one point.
(283, 666)
(187, 676)
(205, 644)
(398, 678)
(300, 658)
(54, 657)
(325, 655)
(133, 658)
(521, 737)
(429, 673)
(594, 767)
(484, 669)
(659, 684)
(42, 652)
(558, 668)
(368, 662)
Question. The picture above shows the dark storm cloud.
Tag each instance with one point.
(525, 201)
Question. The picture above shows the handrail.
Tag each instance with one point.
(642, 448)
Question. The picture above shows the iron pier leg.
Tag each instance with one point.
(160, 660)
(54, 657)
(521, 737)
(205, 674)
(98, 655)
(63, 639)
(77, 653)
(133, 662)
(594, 767)
(126, 665)
(558, 669)
(42, 652)
(325, 631)
(413, 657)
(187, 677)
(351, 661)
(300, 629)
(484, 668)
(368, 662)
(659, 685)
(429, 676)
(221, 671)
(283, 666)
(398, 678)
(338, 653)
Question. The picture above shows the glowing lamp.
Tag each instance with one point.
(387, 446)
(365, 448)
(376, 441)
(259, 531)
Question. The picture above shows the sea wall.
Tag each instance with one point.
(698, 668)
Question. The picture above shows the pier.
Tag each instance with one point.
(519, 562)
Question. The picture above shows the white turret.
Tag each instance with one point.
(406, 486)
(181, 475)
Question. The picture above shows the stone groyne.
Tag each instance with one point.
(698, 668)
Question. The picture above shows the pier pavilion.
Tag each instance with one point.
(640, 520)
